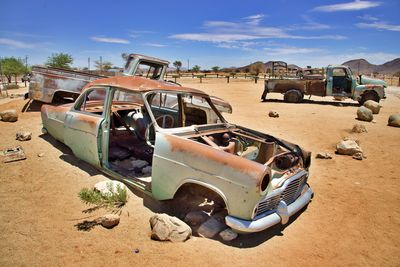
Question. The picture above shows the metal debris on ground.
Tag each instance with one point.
(13, 154)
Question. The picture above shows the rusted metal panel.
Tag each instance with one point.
(281, 86)
(13, 154)
(316, 87)
(45, 82)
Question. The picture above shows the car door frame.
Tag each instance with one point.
(84, 130)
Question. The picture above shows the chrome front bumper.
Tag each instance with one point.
(281, 215)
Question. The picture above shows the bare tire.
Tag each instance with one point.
(293, 96)
(369, 95)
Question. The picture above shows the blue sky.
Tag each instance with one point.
(208, 33)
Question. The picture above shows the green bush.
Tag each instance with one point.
(11, 86)
(116, 199)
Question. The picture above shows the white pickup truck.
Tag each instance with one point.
(58, 85)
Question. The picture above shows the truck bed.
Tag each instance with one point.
(306, 86)
(46, 82)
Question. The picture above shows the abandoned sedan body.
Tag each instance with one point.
(163, 138)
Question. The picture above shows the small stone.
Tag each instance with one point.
(136, 250)
(358, 156)
(373, 121)
(109, 220)
(373, 106)
(348, 147)
(139, 164)
(364, 114)
(23, 136)
(146, 170)
(323, 155)
(9, 115)
(108, 187)
(211, 228)
(196, 218)
(273, 114)
(228, 235)
(394, 120)
(165, 227)
(40, 155)
(359, 128)
(352, 138)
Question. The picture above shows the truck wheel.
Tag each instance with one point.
(293, 96)
(369, 95)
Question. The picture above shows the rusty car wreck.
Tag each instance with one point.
(160, 138)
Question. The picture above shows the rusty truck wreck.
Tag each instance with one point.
(338, 82)
(162, 138)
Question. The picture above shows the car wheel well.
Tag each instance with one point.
(191, 196)
(293, 96)
(64, 97)
(369, 95)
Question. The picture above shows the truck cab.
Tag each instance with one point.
(145, 66)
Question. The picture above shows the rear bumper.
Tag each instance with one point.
(280, 216)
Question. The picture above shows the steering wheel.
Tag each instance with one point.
(164, 119)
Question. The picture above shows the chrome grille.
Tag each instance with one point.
(289, 194)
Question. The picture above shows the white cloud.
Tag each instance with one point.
(15, 44)
(226, 32)
(380, 26)
(254, 19)
(309, 25)
(138, 33)
(368, 17)
(291, 50)
(155, 45)
(350, 6)
(110, 40)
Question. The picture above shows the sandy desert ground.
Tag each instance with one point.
(354, 218)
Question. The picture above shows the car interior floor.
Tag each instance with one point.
(130, 156)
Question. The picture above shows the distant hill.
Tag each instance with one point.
(362, 66)
(263, 66)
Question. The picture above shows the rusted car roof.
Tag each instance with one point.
(140, 84)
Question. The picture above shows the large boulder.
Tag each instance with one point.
(373, 106)
(348, 147)
(108, 187)
(165, 227)
(364, 114)
(9, 115)
(109, 220)
(394, 120)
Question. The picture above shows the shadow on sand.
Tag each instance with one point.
(318, 102)
(167, 206)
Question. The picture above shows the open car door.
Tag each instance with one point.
(83, 125)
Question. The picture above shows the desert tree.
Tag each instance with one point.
(103, 65)
(196, 68)
(257, 68)
(215, 69)
(60, 60)
(11, 66)
(178, 65)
